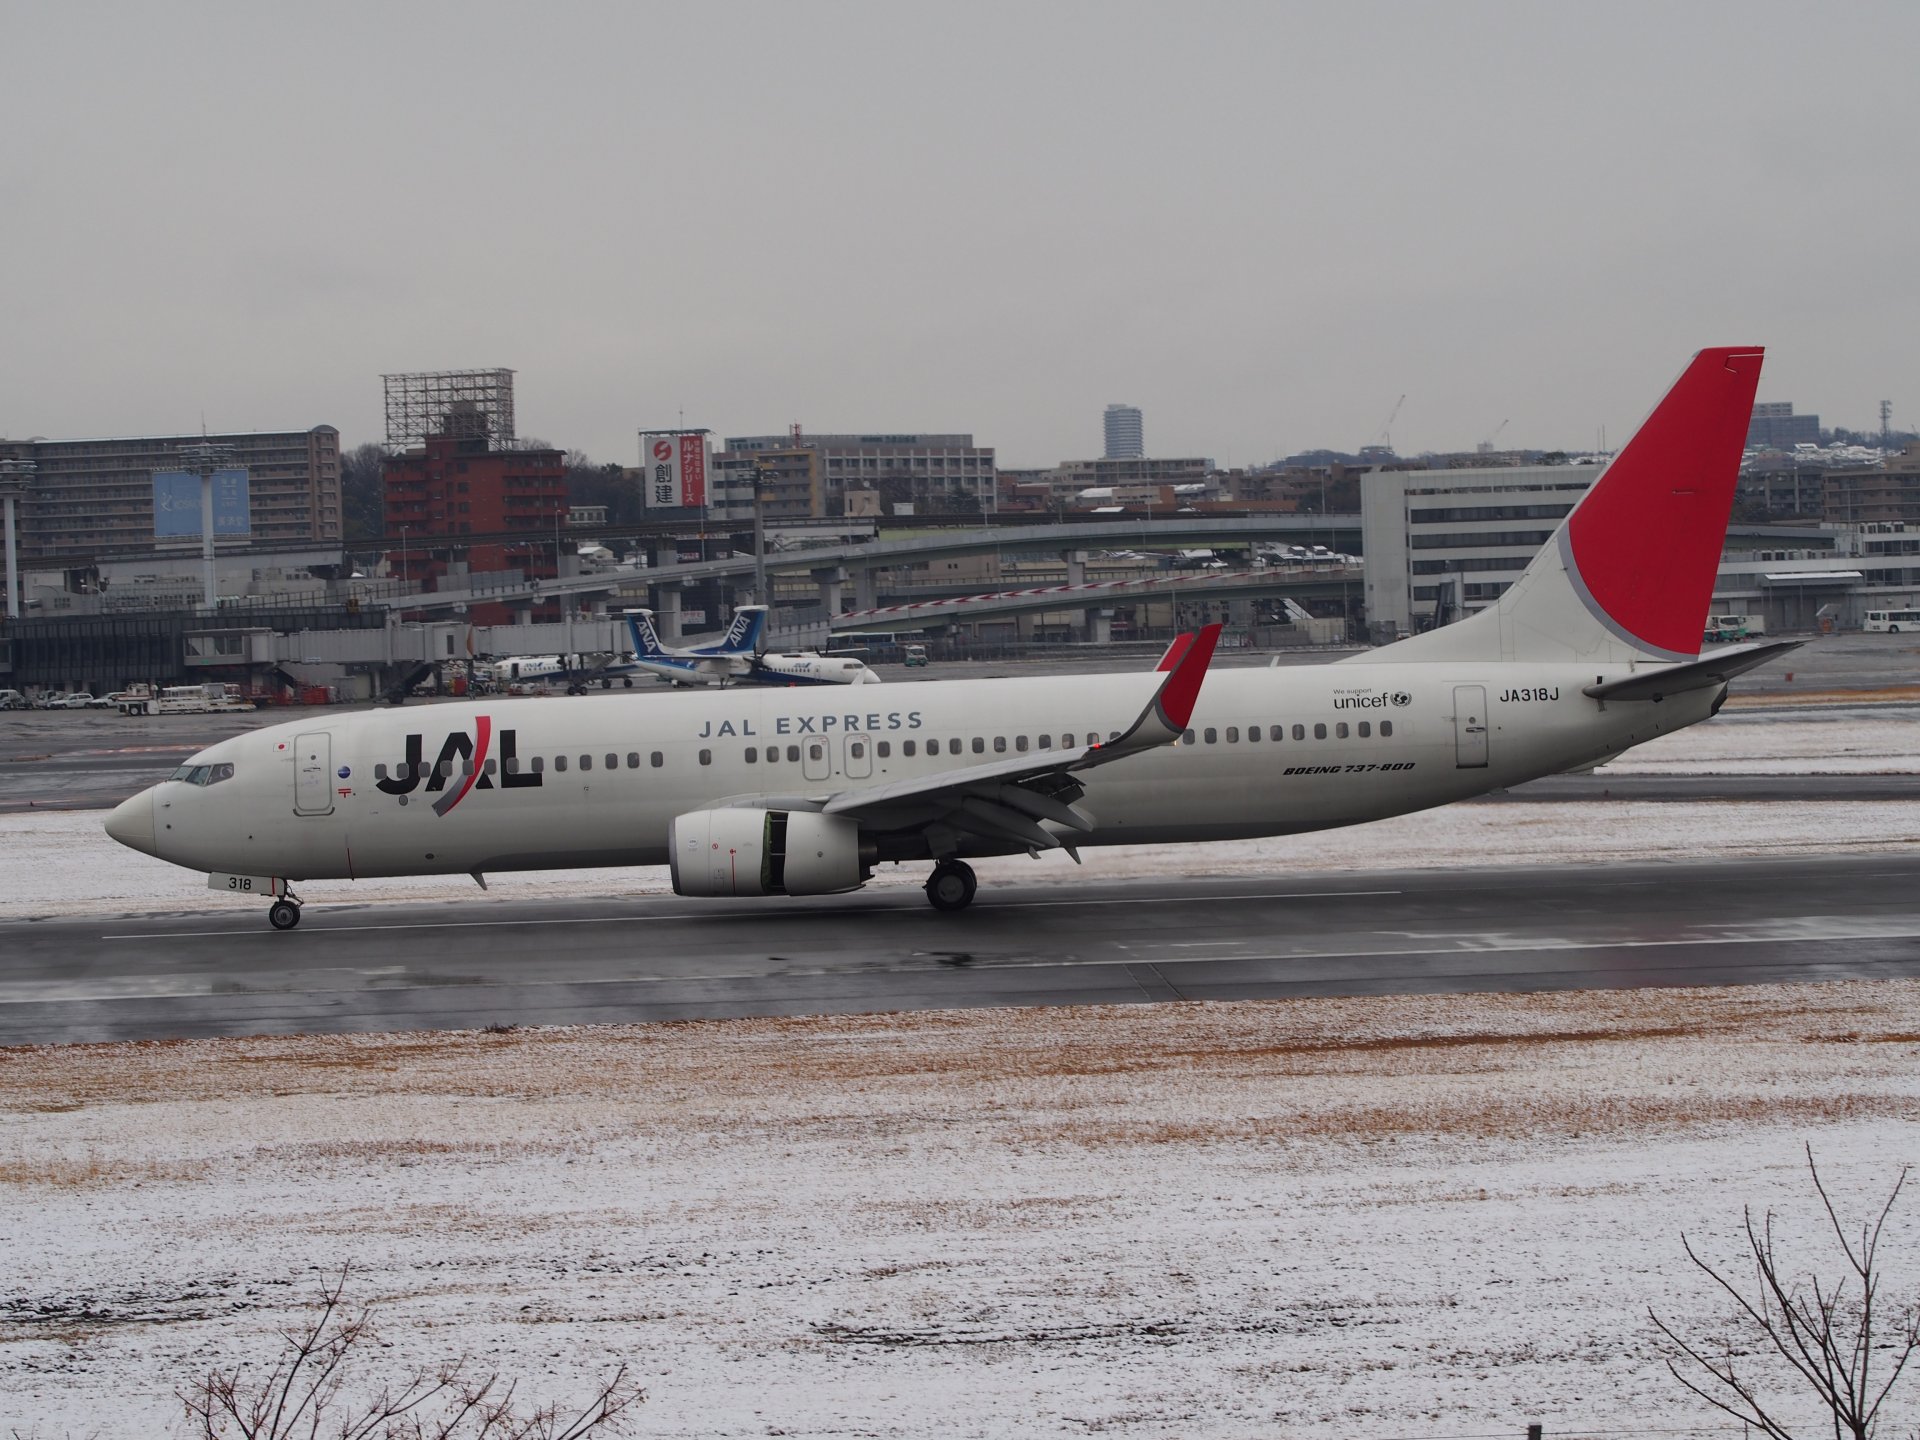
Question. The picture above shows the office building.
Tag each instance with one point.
(886, 474)
(454, 505)
(1774, 426)
(94, 498)
(1442, 543)
(1125, 435)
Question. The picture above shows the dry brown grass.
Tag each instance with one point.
(648, 1077)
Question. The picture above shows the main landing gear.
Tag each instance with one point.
(952, 885)
(284, 913)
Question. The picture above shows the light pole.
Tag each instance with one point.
(15, 478)
(406, 574)
(760, 534)
(203, 457)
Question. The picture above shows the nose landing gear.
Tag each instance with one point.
(952, 885)
(284, 913)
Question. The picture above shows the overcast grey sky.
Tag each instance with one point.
(1261, 223)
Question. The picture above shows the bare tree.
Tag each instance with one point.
(306, 1394)
(1840, 1339)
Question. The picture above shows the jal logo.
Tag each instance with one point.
(462, 758)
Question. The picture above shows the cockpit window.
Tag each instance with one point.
(203, 774)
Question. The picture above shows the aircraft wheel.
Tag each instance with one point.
(952, 885)
(627, 683)
(283, 915)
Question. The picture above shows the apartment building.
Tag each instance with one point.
(92, 498)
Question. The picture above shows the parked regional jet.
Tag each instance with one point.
(737, 659)
(802, 792)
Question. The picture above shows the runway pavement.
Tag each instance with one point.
(486, 962)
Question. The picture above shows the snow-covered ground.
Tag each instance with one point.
(1420, 1216)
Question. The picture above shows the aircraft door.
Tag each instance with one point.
(1470, 727)
(313, 774)
(814, 764)
(858, 761)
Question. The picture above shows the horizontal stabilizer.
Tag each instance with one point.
(1698, 674)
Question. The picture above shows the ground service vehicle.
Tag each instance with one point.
(1892, 622)
(913, 656)
(1594, 649)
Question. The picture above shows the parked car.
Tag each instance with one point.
(12, 700)
(78, 700)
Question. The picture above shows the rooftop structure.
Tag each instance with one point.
(469, 405)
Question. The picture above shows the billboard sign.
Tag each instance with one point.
(674, 469)
(176, 504)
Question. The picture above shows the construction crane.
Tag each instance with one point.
(1386, 430)
(1486, 445)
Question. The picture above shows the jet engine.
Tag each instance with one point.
(765, 852)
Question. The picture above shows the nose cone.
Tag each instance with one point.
(131, 823)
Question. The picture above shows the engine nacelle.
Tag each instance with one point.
(764, 852)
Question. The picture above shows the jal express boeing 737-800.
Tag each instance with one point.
(803, 792)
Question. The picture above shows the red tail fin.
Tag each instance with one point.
(1643, 546)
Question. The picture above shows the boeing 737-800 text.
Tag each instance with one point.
(802, 792)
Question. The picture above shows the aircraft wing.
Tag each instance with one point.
(1005, 800)
(1715, 669)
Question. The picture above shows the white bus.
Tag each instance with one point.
(1893, 621)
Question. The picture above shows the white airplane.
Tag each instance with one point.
(1594, 649)
(737, 657)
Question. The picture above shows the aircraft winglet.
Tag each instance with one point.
(1172, 705)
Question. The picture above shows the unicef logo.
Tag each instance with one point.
(1400, 697)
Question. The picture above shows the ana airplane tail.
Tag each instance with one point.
(1629, 574)
(646, 641)
(744, 636)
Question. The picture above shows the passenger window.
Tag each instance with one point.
(1020, 742)
(586, 762)
(1233, 734)
(1213, 736)
(1340, 730)
(1274, 733)
(706, 757)
(1186, 737)
(1320, 732)
(1386, 727)
(999, 744)
(613, 762)
(815, 751)
(773, 754)
(1366, 729)
(979, 745)
(1066, 740)
(657, 758)
(492, 766)
(539, 763)
(1046, 742)
(379, 772)
(793, 753)
(512, 766)
(446, 769)
(752, 754)
(633, 759)
(1299, 732)
(560, 763)
(882, 748)
(906, 747)
(857, 749)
